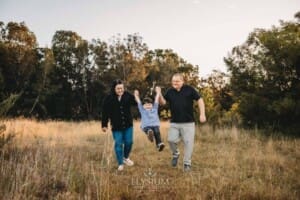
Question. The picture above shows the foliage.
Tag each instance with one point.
(5, 138)
(218, 99)
(265, 78)
(70, 79)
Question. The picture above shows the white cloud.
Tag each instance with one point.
(232, 6)
(196, 1)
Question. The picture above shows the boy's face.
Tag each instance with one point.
(147, 105)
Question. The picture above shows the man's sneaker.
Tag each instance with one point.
(128, 162)
(150, 135)
(121, 168)
(186, 168)
(160, 146)
(174, 160)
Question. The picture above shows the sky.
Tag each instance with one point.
(202, 32)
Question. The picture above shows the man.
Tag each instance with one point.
(180, 98)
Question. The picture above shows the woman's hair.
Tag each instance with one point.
(114, 84)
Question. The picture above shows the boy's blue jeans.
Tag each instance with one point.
(156, 132)
(123, 143)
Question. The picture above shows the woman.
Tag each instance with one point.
(116, 109)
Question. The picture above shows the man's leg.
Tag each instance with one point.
(173, 139)
(188, 135)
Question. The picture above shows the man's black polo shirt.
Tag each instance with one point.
(181, 103)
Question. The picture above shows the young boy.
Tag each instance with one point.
(149, 117)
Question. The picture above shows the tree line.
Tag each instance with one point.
(69, 80)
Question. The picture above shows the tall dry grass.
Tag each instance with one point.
(70, 160)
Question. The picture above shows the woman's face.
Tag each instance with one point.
(119, 89)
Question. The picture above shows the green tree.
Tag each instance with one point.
(125, 59)
(218, 99)
(265, 77)
(71, 63)
(98, 79)
(19, 63)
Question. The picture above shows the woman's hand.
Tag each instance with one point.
(136, 93)
(104, 129)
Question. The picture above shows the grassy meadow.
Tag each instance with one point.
(75, 160)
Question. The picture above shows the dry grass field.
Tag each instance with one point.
(71, 160)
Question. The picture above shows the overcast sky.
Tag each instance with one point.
(201, 31)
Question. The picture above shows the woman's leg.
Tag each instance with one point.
(128, 141)
(118, 138)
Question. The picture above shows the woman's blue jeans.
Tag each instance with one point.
(123, 143)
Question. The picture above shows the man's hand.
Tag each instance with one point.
(104, 129)
(202, 118)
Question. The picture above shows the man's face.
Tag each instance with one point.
(119, 89)
(177, 82)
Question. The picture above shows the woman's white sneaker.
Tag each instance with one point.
(121, 168)
(128, 162)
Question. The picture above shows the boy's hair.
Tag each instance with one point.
(147, 100)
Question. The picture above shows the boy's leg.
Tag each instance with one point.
(157, 135)
(159, 144)
(149, 132)
(118, 147)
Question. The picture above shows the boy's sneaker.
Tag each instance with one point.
(174, 160)
(150, 135)
(160, 146)
(128, 162)
(186, 168)
(121, 168)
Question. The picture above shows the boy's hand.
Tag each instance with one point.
(136, 93)
(158, 90)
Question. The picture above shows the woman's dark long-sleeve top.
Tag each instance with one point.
(118, 112)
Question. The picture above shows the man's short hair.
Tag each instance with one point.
(178, 75)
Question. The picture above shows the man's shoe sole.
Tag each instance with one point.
(175, 161)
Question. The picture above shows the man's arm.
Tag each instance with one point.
(201, 106)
